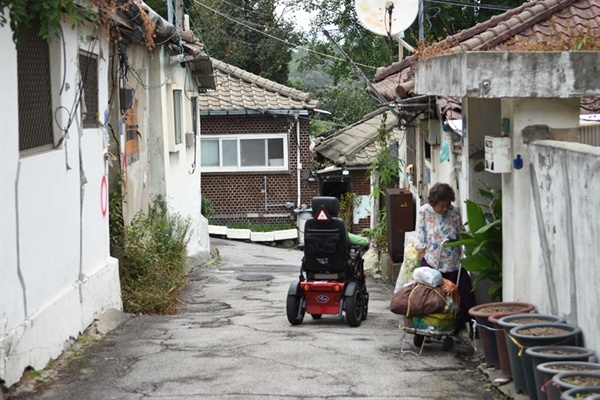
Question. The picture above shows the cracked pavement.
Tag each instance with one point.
(232, 340)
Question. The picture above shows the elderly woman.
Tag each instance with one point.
(438, 222)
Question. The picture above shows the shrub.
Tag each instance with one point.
(153, 260)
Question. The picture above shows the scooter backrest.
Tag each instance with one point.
(331, 204)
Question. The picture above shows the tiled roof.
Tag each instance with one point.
(127, 22)
(531, 24)
(241, 91)
(355, 145)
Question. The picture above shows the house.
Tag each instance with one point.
(255, 158)
(155, 119)
(345, 158)
(519, 129)
(57, 273)
(94, 102)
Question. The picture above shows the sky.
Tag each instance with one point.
(300, 18)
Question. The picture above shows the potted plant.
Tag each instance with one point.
(588, 393)
(541, 334)
(507, 323)
(577, 379)
(483, 242)
(487, 331)
(544, 354)
(545, 371)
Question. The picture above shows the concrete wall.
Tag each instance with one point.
(564, 221)
(57, 274)
(161, 169)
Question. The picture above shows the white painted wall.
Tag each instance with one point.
(565, 245)
(518, 230)
(160, 171)
(57, 274)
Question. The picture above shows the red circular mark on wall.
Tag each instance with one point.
(104, 195)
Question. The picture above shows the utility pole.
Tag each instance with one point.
(421, 20)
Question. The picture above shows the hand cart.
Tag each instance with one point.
(439, 326)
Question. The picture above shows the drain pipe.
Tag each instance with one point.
(299, 163)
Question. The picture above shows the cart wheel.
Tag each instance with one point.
(448, 343)
(418, 340)
(316, 316)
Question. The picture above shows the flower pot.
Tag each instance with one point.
(547, 371)
(546, 354)
(541, 334)
(507, 323)
(487, 331)
(589, 393)
(576, 379)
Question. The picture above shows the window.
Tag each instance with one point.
(88, 69)
(35, 95)
(250, 152)
(177, 128)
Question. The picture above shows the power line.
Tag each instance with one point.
(287, 42)
(474, 5)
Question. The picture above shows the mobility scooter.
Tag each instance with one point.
(332, 278)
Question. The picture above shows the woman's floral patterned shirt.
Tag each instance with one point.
(432, 230)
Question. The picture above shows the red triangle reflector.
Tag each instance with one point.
(322, 215)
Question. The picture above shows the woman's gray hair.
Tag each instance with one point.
(440, 192)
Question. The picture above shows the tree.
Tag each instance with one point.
(245, 33)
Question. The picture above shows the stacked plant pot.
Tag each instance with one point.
(554, 356)
(514, 352)
(541, 334)
(588, 393)
(577, 381)
(494, 349)
(548, 370)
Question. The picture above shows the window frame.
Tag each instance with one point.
(176, 118)
(45, 137)
(248, 136)
(88, 68)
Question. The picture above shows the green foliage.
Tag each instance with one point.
(385, 168)
(116, 201)
(48, 13)
(378, 234)
(386, 165)
(153, 260)
(206, 207)
(483, 242)
(347, 101)
(247, 34)
(348, 202)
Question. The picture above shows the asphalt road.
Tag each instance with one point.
(232, 340)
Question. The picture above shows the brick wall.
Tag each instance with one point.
(258, 198)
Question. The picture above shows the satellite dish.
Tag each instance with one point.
(386, 17)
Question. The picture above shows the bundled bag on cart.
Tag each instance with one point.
(417, 299)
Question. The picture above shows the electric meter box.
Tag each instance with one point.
(498, 155)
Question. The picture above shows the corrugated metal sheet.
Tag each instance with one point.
(590, 134)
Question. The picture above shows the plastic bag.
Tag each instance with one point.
(428, 276)
(410, 262)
